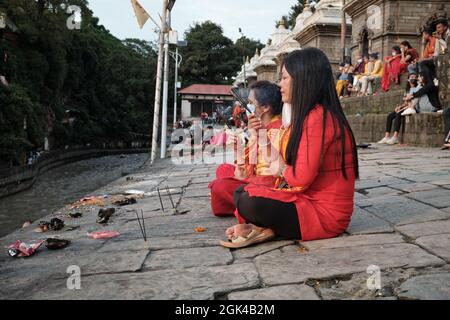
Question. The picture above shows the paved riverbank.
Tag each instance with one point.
(401, 225)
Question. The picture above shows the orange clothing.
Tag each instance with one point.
(430, 48)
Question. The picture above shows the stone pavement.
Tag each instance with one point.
(401, 225)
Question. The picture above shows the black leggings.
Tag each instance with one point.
(279, 216)
(446, 116)
(397, 118)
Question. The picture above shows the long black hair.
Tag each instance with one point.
(313, 84)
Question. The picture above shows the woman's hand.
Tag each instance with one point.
(409, 97)
(239, 172)
(254, 124)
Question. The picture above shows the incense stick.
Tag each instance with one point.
(160, 200)
(143, 224)
(140, 226)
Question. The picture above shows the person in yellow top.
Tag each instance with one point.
(377, 72)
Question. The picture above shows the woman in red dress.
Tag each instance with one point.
(317, 168)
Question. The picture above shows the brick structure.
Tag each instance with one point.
(377, 25)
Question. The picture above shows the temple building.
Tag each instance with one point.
(199, 98)
(320, 29)
(380, 24)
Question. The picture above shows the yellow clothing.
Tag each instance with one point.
(340, 85)
(378, 69)
(262, 155)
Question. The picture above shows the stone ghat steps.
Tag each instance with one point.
(367, 117)
(424, 129)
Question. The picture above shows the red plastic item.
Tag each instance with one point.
(103, 234)
(25, 249)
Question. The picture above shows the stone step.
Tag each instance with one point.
(424, 129)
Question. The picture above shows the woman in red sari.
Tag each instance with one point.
(318, 165)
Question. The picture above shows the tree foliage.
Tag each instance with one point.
(51, 69)
(211, 57)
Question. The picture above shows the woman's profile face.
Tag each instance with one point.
(286, 86)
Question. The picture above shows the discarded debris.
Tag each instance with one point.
(56, 224)
(104, 215)
(75, 215)
(26, 224)
(200, 230)
(134, 192)
(103, 234)
(43, 226)
(56, 244)
(125, 202)
(89, 201)
(70, 228)
(22, 249)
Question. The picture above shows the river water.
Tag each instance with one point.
(61, 186)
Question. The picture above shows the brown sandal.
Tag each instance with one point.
(254, 237)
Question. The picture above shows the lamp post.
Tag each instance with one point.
(243, 58)
(170, 4)
(178, 59)
(157, 104)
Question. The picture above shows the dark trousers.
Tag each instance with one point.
(446, 116)
(397, 119)
(279, 216)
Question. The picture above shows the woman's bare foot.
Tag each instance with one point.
(242, 230)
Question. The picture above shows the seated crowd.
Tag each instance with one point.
(421, 92)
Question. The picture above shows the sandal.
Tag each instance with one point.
(56, 244)
(254, 237)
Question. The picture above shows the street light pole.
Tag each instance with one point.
(157, 104)
(175, 97)
(165, 93)
(243, 59)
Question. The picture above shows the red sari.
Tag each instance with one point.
(392, 70)
(223, 187)
(323, 197)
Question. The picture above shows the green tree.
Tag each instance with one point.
(109, 83)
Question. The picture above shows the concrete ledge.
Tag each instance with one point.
(425, 129)
(22, 178)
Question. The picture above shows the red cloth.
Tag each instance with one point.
(223, 187)
(222, 191)
(323, 198)
(391, 69)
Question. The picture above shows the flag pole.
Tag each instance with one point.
(157, 105)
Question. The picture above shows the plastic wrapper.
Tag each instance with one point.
(22, 249)
(103, 234)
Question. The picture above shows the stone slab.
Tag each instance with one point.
(188, 258)
(353, 241)
(437, 244)
(364, 222)
(426, 287)
(289, 292)
(187, 284)
(425, 229)
(289, 267)
(254, 251)
(438, 198)
(400, 210)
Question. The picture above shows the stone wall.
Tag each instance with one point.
(21, 178)
(424, 129)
